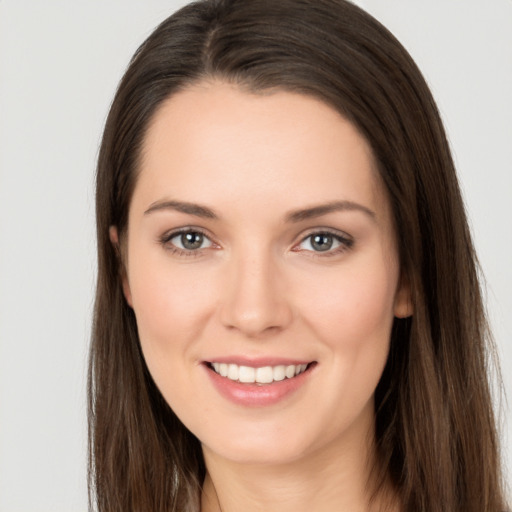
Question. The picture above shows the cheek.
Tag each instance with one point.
(171, 307)
(355, 307)
(353, 317)
(354, 321)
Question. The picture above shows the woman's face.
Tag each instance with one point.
(260, 245)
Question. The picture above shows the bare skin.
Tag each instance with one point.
(259, 231)
(324, 484)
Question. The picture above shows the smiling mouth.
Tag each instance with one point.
(260, 375)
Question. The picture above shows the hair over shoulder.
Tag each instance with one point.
(435, 426)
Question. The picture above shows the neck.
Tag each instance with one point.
(337, 477)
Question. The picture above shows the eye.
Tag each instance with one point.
(189, 240)
(325, 242)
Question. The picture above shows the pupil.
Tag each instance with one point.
(192, 240)
(322, 242)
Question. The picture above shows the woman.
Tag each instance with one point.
(288, 311)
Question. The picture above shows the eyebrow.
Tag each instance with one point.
(183, 207)
(293, 216)
(324, 209)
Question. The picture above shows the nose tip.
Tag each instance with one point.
(254, 323)
(255, 301)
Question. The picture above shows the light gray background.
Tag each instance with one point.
(60, 61)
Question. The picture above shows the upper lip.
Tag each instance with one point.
(258, 362)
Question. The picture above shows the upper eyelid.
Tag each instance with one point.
(339, 234)
(165, 241)
(345, 240)
(170, 234)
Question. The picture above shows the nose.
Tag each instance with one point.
(254, 298)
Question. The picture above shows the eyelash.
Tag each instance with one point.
(165, 241)
(345, 242)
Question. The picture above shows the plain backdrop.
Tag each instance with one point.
(60, 61)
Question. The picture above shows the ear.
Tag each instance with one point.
(114, 239)
(403, 306)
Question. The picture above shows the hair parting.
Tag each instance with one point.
(435, 434)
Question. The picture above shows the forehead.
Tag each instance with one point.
(213, 141)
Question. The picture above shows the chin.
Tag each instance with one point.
(260, 453)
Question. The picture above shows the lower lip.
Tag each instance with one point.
(257, 395)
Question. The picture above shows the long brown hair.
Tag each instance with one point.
(435, 429)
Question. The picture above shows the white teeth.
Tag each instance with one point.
(233, 372)
(300, 368)
(262, 375)
(246, 374)
(290, 371)
(279, 372)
